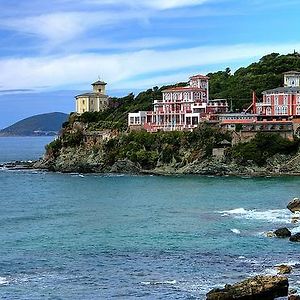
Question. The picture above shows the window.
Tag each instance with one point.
(176, 96)
(285, 100)
(268, 111)
(268, 100)
(298, 110)
(276, 100)
(197, 96)
(167, 96)
(298, 99)
(284, 110)
(185, 96)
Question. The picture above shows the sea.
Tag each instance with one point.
(117, 236)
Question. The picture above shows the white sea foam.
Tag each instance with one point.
(159, 282)
(271, 271)
(236, 231)
(4, 281)
(272, 215)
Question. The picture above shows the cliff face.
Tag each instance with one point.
(81, 148)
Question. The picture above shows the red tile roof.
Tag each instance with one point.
(199, 76)
(183, 89)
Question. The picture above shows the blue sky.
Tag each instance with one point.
(51, 50)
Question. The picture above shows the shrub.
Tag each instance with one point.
(262, 147)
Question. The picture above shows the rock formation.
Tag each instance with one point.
(282, 232)
(284, 269)
(295, 237)
(258, 288)
(294, 205)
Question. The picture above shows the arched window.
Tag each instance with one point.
(197, 96)
(185, 96)
(167, 96)
(176, 96)
(268, 111)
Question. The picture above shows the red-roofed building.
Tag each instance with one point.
(181, 108)
(282, 101)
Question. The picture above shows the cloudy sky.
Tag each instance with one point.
(50, 50)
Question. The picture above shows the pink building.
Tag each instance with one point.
(283, 101)
(181, 108)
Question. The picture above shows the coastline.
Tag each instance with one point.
(226, 171)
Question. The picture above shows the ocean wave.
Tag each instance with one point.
(272, 215)
(159, 282)
(236, 231)
(4, 281)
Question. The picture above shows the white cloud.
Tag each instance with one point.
(124, 70)
(156, 4)
(58, 28)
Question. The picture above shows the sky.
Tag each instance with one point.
(52, 50)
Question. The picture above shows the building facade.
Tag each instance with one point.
(181, 108)
(282, 101)
(93, 101)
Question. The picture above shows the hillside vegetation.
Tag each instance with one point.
(237, 88)
(265, 74)
(42, 124)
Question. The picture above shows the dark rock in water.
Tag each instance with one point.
(284, 269)
(258, 288)
(294, 297)
(295, 237)
(294, 205)
(282, 232)
(292, 291)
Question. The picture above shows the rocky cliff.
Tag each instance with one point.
(82, 147)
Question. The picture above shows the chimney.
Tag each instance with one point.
(254, 102)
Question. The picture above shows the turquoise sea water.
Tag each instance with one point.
(22, 148)
(73, 236)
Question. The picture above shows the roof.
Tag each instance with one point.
(292, 72)
(99, 82)
(285, 89)
(92, 94)
(199, 76)
(225, 142)
(183, 89)
(255, 122)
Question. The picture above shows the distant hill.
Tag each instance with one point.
(39, 125)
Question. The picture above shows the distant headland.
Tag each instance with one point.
(38, 125)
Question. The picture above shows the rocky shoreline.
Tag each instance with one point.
(265, 287)
(84, 160)
(205, 168)
(18, 165)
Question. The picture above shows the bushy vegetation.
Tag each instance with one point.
(259, 76)
(53, 148)
(148, 149)
(262, 147)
